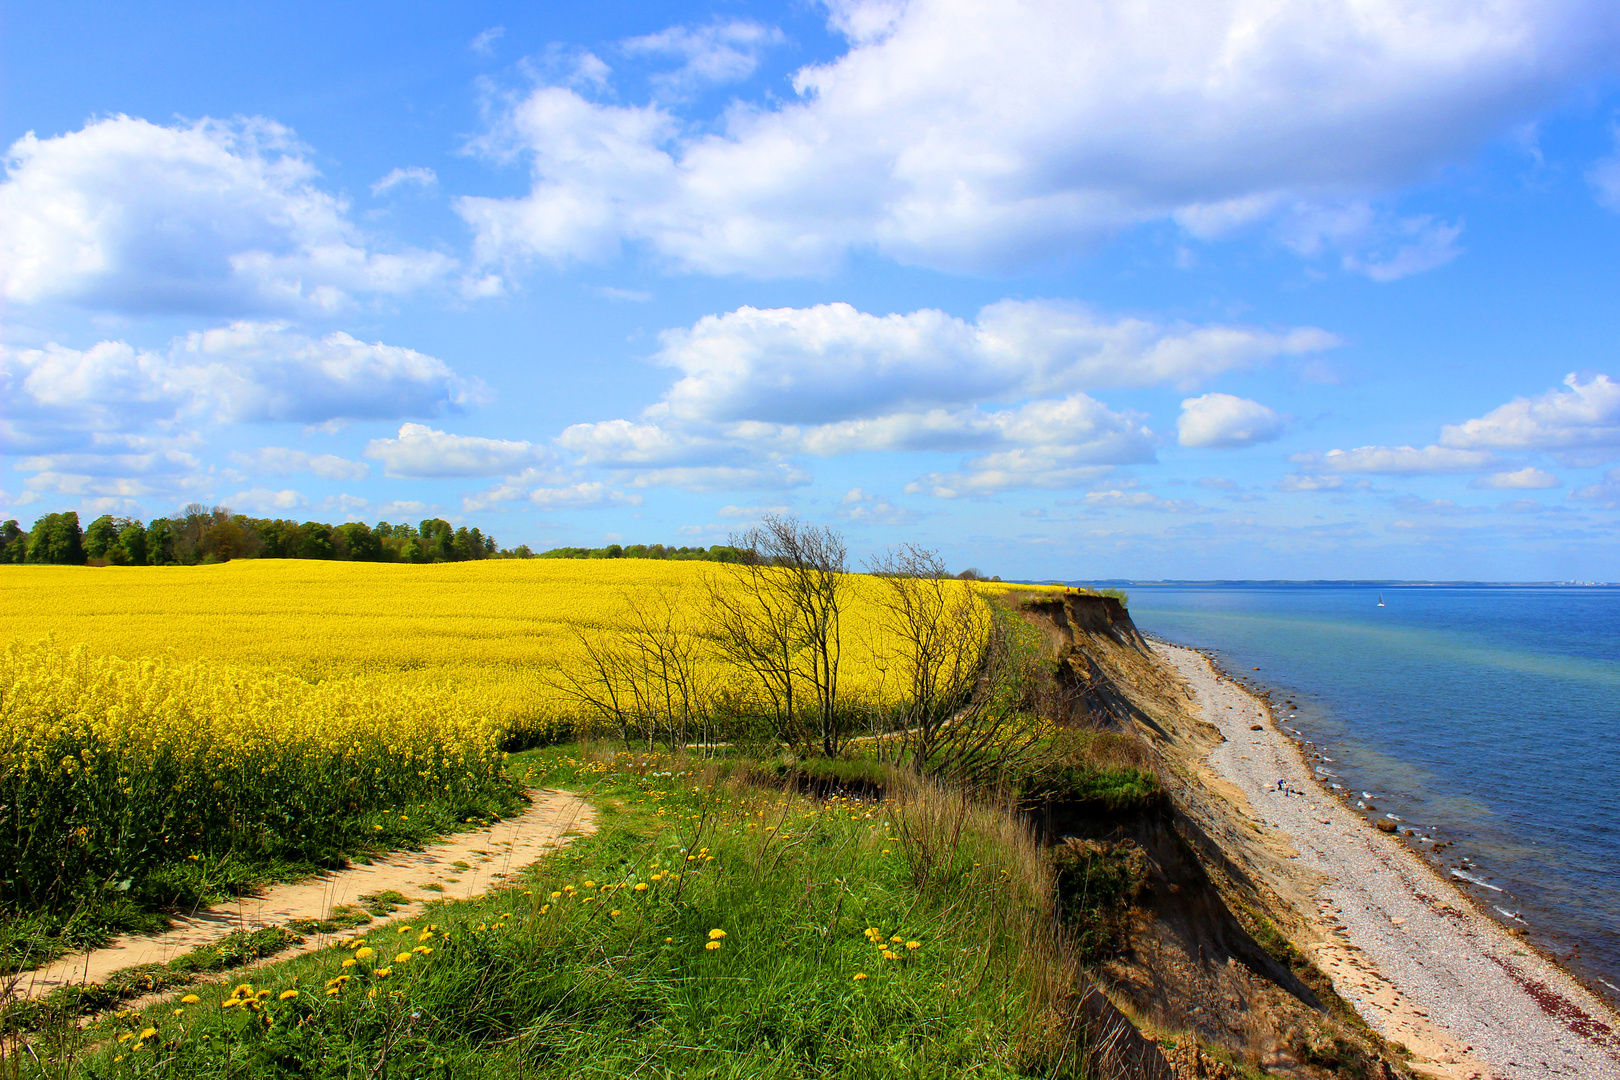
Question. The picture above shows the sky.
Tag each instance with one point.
(1073, 290)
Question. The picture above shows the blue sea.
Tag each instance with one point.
(1483, 715)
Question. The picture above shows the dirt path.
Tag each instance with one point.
(463, 866)
(1401, 943)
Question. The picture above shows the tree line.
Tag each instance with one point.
(716, 553)
(203, 534)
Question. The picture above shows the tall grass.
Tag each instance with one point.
(709, 928)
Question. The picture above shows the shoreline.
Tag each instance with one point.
(1412, 952)
(1482, 906)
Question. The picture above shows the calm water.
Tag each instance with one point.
(1482, 715)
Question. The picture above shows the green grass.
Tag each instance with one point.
(573, 971)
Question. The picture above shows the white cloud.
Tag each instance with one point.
(244, 372)
(541, 489)
(1309, 482)
(833, 362)
(264, 501)
(859, 507)
(1528, 478)
(280, 461)
(419, 452)
(1374, 243)
(1605, 177)
(1584, 417)
(1606, 494)
(1226, 421)
(971, 135)
(212, 217)
(778, 476)
(415, 174)
(721, 52)
(1142, 500)
(1399, 460)
(484, 42)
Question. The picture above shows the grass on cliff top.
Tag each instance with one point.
(707, 928)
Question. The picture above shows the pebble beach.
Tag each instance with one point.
(1410, 951)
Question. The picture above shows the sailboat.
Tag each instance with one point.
(1380, 599)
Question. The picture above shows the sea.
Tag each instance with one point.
(1486, 717)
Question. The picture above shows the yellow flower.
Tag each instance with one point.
(286, 995)
(384, 972)
(365, 953)
(897, 938)
(179, 1012)
(263, 995)
(349, 963)
(641, 886)
(913, 945)
(859, 975)
(887, 955)
(556, 896)
(148, 1033)
(590, 884)
(403, 958)
(425, 950)
(614, 913)
(190, 999)
(126, 1036)
(230, 1003)
(244, 990)
(669, 941)
(711, 946)
(716, 935)
(544, 908)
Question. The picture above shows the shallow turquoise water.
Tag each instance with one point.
(1483, 715)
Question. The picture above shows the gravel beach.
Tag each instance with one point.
(1399, 942)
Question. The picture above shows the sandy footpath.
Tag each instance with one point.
(1401, 943)
(486, 856)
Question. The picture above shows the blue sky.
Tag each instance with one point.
(1321, 288)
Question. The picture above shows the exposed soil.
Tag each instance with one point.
(485, 857)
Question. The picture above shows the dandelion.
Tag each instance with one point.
(716, 934)
(897, 938)
(859, 976)
(913, 946)
(711, 946)
(365, 953)
(614, 913)
(383, 973)
(403, 958)
(230, 1003)
(641, 886)
(887, 955)
(349, 963)
(190, 999)
(148, 1033)
(286, 995)
(556, 896)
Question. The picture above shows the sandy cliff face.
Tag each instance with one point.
(1207, 943)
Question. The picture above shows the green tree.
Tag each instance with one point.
(132, 544)
(160, 542)
(57, 539)
(101, 535)
(315, 541)
(13, 543)
(358, 542)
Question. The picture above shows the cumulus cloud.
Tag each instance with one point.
(265, 501)
(1583, 418)
(1226, 421)
(213, 217)
(542, 489)
(970, 135)
(1376, 244)
(1310, 482)
(1528, 478)
(1399, 460)
(244, 372)
(419, 452)
(280, 461)
(833, 362)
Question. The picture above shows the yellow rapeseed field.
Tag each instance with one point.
(154, 711)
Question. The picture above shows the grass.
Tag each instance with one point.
(775, 935)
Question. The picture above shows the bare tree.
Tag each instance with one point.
(776, 614)
(958, 661)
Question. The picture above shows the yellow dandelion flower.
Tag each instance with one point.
(711, 946)
(383, 973)
(716, 934)
(556, 896)
(403, 958)
(331, 991)
(615, 913)
(887, 955)
(263, 995)
(126, 1036)
(859, 975)
(641, 886)
(230, 1003)
(590, 884)
(349, 963)
(669, 941)
(365, 953)
(286, 995)
(913, 945)
(148, 1032)
(544, 908)
(190, 999)
(179, 1012)
(243, 990)
(897, 938)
